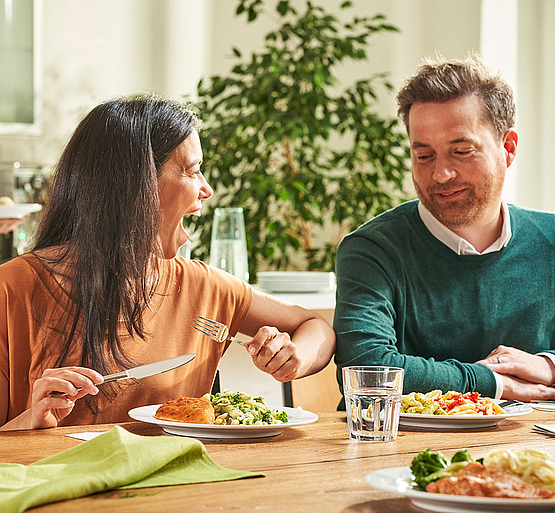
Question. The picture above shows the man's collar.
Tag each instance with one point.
(457, 243)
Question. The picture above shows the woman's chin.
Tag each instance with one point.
(171, 248)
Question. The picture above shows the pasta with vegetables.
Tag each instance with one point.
(450, 403)
(237, 408)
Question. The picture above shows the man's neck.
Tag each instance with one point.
(483, 233)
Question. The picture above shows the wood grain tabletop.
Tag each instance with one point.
(308, 468)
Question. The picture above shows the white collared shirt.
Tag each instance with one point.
(457, 243)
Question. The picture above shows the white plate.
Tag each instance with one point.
(543, 405)
(297, 417)
(398, 480)
(461, 421)
(18, 210)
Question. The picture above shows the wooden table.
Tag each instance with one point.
(310, 468)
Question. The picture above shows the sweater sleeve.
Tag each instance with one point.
(369, 317)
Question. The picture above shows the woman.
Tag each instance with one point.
(102, 289)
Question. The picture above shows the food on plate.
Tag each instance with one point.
(522, 473)
(450, 403)
(430, 466)
(194, 410)
(236, 408)
(479, 481)
(4, 200)
(533, 466)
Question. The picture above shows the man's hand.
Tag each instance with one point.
(526, 367)
(520, 390)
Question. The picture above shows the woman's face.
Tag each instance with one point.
(181, 187)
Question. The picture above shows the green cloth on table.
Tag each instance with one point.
(116, 459)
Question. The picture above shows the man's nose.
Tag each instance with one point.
(443, 171)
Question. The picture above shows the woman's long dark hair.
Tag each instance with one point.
(101, 222)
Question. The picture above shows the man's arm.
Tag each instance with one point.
(368, 315)
(525, 376)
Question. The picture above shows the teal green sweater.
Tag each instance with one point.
(405, 299)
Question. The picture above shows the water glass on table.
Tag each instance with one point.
(228, 246)
(373, 402)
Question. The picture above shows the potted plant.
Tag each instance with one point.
(306, 162)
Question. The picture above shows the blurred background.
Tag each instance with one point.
(60, 58)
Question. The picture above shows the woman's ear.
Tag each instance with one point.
(510, 142)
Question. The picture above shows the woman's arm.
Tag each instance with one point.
(46, 411)
(288, 341)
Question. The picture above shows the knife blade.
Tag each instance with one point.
(144, 371)
(151, 369)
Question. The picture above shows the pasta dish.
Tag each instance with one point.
(534, 467)
(235, 408)
(450, 403)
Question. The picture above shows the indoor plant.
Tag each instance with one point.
(306, 162)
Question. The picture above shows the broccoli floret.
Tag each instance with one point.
(281, 415)
(430, 466)
(425, 464)
(447, 471)
(236, 398)
(463, 455)
(267, 417)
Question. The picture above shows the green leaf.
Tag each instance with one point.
(282, 140)
(283, 7)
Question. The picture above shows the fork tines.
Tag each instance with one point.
(206, 326)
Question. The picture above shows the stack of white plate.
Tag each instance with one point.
(296, 281)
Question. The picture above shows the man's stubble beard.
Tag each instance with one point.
(463, 212)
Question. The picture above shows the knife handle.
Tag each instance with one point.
(110, 377)
(117, 375)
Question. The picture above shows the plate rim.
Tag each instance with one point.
(312, 417)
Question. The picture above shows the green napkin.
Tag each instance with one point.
(116, 459)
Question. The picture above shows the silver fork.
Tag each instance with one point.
(215, 330)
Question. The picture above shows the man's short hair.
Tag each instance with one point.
(438, 81)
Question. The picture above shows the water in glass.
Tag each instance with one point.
(373, 413)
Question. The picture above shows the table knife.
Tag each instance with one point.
(144, 371)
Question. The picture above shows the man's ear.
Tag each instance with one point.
(510, 142)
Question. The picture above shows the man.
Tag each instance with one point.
(458, 287)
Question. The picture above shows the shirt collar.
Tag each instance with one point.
(458, 244)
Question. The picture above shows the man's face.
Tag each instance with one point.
(458, 165)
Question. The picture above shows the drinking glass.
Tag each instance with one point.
(373, 402)
(228, 247)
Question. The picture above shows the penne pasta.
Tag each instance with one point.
(450, 403)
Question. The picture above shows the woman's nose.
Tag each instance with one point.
(205, 189)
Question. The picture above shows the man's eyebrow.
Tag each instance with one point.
(462, 140)
(417, 145)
